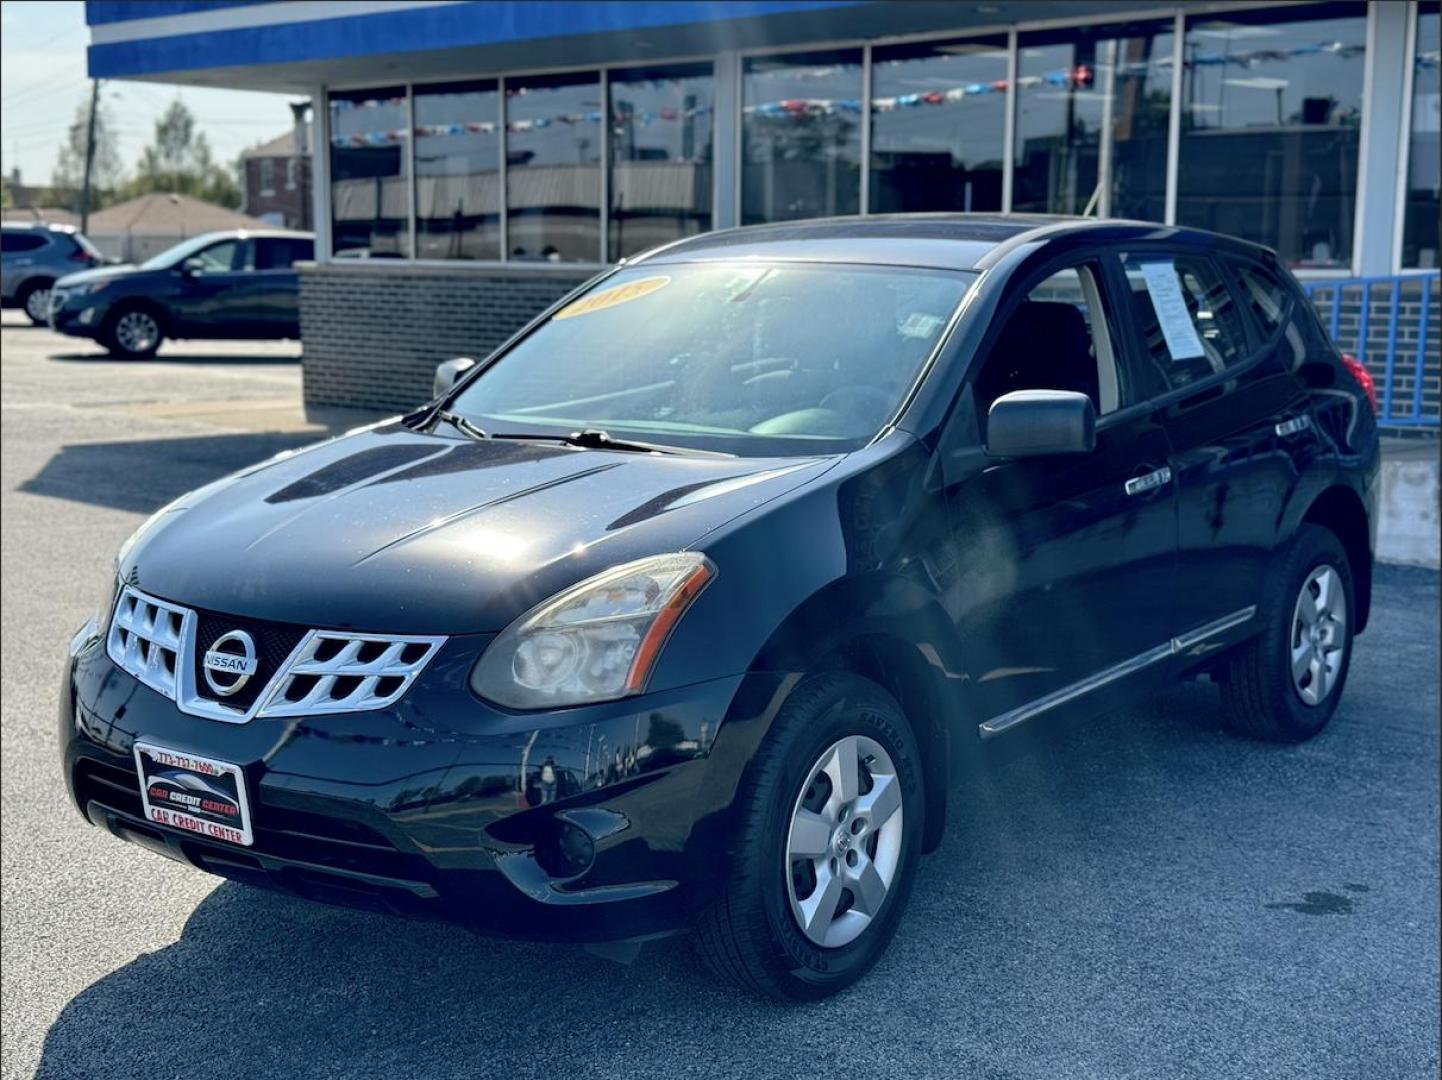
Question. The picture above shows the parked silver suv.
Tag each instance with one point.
(33, 256)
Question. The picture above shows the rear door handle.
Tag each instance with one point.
(1139, 485)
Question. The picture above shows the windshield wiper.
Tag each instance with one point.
(457, 421)
(596, 439)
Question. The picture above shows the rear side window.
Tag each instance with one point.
(282, 254)
(1273, 306)
(1185, 316)
(13, 243)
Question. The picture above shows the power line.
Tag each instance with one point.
(36, 93)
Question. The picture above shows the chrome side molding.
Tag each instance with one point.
(1177, 645)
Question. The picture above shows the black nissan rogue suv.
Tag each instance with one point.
(694, 604)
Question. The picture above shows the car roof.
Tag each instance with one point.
(36, 226)
(941, 241)
(223, 234)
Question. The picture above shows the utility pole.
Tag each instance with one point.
(89, 155)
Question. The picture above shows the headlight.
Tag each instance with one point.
(596, 641)
(84, 288)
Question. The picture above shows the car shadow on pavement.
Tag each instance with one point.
(260, 984)
(144, 475)
(240, 359)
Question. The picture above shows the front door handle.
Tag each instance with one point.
(1139, 485)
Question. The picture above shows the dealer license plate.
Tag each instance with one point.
(194, 793)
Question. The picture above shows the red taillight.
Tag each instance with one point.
(1363, 377)
(80, 255)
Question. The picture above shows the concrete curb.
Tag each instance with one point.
(1408, 527)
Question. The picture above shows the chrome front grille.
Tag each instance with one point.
(147, 638)
(329, 671)
(334, 671)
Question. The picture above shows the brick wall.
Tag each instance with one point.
(1413, 359)
(374, 331)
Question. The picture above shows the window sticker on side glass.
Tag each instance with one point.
(1170, 305)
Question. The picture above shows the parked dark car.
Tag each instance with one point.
(220, 285)
(33, 256)
(696, 603)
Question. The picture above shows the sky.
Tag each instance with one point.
(43, 81)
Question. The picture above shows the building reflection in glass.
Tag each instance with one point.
(458, 171)
(553, 167)
(661, 156)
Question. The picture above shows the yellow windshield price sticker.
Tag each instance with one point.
(616, 294)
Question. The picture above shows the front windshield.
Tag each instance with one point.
(174, 256)
(741, 357)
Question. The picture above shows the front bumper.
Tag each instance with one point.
(440, 806)
(75, 315)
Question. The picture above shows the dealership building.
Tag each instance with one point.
(476, 160)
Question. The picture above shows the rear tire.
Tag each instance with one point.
(133, 333)
(34, 298)
(1284, 685)
(850, 861)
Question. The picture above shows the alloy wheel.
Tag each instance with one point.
(137, 332)
(37, 304)
(845, 841)
(1319, 635)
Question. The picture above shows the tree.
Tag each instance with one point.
(179, 160)
(69, 172)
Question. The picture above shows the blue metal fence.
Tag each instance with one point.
(1391, 324)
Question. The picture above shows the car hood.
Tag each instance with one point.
(388, 529)
(100, 273)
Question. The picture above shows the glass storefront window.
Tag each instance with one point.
(1424, 155)
(1271, 125)
(369, 148)
(661, 156)
(801, 136)
(553, 167)
(1071, 85)
(938, 121)
(458, 178)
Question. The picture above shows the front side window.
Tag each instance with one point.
(369, 166)
(801, 136)
(1056, 338)
(1185, 315)
(1271, 125)
(661, 156)
(938, 122)
(224, 257)
(1424, 156)
(553, 167)
(741, 357)
(458, 171)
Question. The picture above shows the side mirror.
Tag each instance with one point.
(449, 373)
(1038, 423)
(192, 266)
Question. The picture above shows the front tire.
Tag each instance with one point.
(1284, 685)
(133, 333)
(35, 299)
(828, 841)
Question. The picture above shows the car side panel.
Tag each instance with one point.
(1235, 468)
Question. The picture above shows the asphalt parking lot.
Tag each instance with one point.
(1155, 899)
